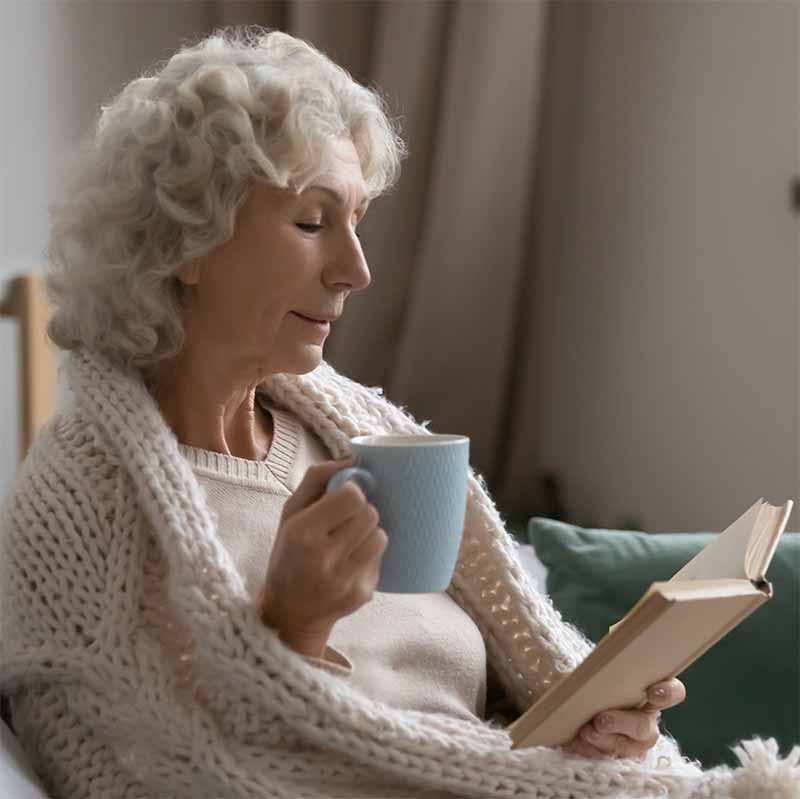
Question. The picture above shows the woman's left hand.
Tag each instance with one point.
(627, 733)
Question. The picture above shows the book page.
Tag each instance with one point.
(772, 522)
(742, 551)
(725, 555)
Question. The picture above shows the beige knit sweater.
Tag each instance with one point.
(107, 536)
(412, 651)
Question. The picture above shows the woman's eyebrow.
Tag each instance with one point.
(338, 197)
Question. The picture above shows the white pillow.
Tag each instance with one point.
(17, 778)
(526, 555)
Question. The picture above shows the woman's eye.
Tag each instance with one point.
(312, 228)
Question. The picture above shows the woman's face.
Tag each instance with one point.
(290, 255)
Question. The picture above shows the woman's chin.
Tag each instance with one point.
(308, 358)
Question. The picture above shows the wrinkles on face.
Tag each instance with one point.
(241, 321)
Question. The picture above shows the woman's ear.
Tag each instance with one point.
(189, 273)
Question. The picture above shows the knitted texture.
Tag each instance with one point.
(106, 526)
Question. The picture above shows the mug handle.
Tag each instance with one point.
(361, 477)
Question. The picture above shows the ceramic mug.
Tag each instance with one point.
(418, 484)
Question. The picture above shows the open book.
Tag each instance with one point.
(669, 628)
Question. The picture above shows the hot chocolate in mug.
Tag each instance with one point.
(418, 484)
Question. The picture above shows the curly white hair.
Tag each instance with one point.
(168, 164)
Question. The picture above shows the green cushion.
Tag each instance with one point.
(748, 684)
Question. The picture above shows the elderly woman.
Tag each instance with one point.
(188, 613)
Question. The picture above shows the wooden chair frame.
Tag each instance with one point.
(26, 301)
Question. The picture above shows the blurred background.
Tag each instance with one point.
(590, 263)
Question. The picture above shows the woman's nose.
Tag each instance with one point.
(361, 276)
(352, 269)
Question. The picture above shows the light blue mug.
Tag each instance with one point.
(418, 484)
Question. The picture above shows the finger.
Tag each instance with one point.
(578, 746)
(665, 694)
(349, 536)
(614, 744)
(638, 727)
(332, 510)
(313, 485)
(636, 724)
(369, 552)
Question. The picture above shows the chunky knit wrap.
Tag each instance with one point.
(104, 509)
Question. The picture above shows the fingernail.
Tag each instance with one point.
(658, 693)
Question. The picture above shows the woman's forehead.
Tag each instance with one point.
(338, 195)
(337, 188)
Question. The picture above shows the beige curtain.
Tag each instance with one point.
(446, 322)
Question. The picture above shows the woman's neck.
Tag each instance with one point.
(211, 411)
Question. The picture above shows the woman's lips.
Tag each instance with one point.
(322, 328)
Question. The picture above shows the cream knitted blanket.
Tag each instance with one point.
(104, 502)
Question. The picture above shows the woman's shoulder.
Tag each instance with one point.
(67, 469)
(62, 528)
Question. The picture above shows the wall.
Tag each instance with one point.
(60, 61)
(667, 314)
(666, 322)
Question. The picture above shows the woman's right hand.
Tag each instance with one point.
(325, 562)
